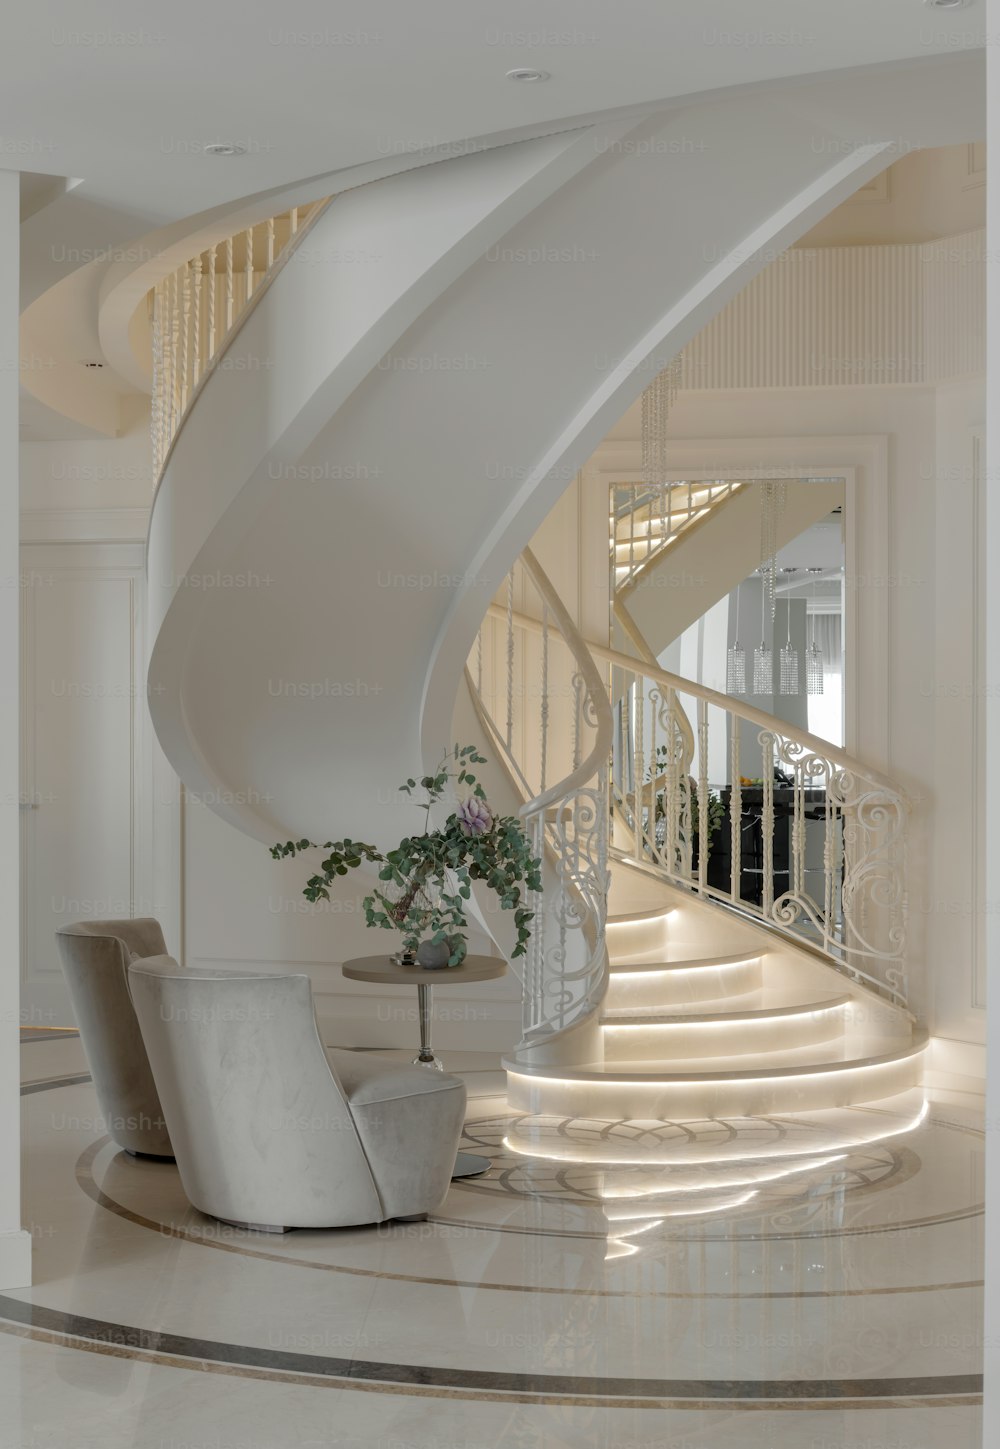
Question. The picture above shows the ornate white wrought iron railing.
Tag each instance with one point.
(800, 835)
(767, 819)
(545, 705)
(195, 309)
(647, 519)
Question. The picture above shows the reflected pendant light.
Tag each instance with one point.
(814, 654)
(788, 670)
(657, 401)
(736, 659)
(763, 657)
(772, 505)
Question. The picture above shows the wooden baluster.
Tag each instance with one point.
(196, 322)
(185, 334)
(211, 302)
(735, 811)
(270, 242)
(293, 217)
(229, 284)
(704, 837)
(155, 411)
(174, 349)
(248, 288)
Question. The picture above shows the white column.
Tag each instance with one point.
(991, 744)
(15, 1245)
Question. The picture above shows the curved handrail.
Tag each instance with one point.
(726, 702)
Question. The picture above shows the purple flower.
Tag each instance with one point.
(474, 816)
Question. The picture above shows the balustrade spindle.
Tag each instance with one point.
(545, 696)
(229, 284)
(185, 333)
(735, 812)
(196, 321)
(270, 242)
(174, 351)
(798, 841)
(672, 842)
(704, 834)
(639, 706)
(212, 280)
(248, 288)
(293, 218)
(510, 658)
(767, 821)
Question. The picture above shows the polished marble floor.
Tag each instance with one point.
(811, 1281)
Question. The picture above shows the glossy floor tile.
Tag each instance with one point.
(803, 1281)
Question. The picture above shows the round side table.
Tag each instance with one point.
(384, 971)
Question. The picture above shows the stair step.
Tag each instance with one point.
(735, 1142)
(683, 962)
(712, 1088)
(683, 1037)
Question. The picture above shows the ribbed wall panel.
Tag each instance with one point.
(841, 316)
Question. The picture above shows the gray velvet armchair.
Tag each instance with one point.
(270, 1129)
(95, 958)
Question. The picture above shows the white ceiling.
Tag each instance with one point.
(123, 93)
(120, 96)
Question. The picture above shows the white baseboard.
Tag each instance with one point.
(955, 1066)
(387, 1020)
(15, 1260)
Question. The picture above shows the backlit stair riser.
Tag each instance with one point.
(737, 1038)
(648, 934)
(663, 990)
(691, 1100)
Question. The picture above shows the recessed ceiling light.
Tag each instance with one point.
(224, 148)
(522, 74)
(94, 365)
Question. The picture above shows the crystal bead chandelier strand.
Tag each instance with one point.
(814, 654)
(736, 659)
(788, 671)
(763, 657)
(772, 505)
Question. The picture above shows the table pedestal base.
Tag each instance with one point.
(470, 1164)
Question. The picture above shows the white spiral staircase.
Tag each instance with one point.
(341, 451)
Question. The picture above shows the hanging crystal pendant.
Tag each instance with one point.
(736, 658)
(788, 672)
(763, 669)
(772, 505)
(788, 668)
(814, 654)
(814, 669)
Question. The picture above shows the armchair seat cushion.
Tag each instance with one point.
(367, 1077)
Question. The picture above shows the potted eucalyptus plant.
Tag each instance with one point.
(425, 882)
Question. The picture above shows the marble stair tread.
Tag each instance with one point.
(638, 1016)
(814, 1061)
(683, 958)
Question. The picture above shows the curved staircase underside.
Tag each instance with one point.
(408, 398)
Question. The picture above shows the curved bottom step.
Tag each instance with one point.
(612, 1093)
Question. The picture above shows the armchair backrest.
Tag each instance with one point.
(95, 958)
(261, 1128)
